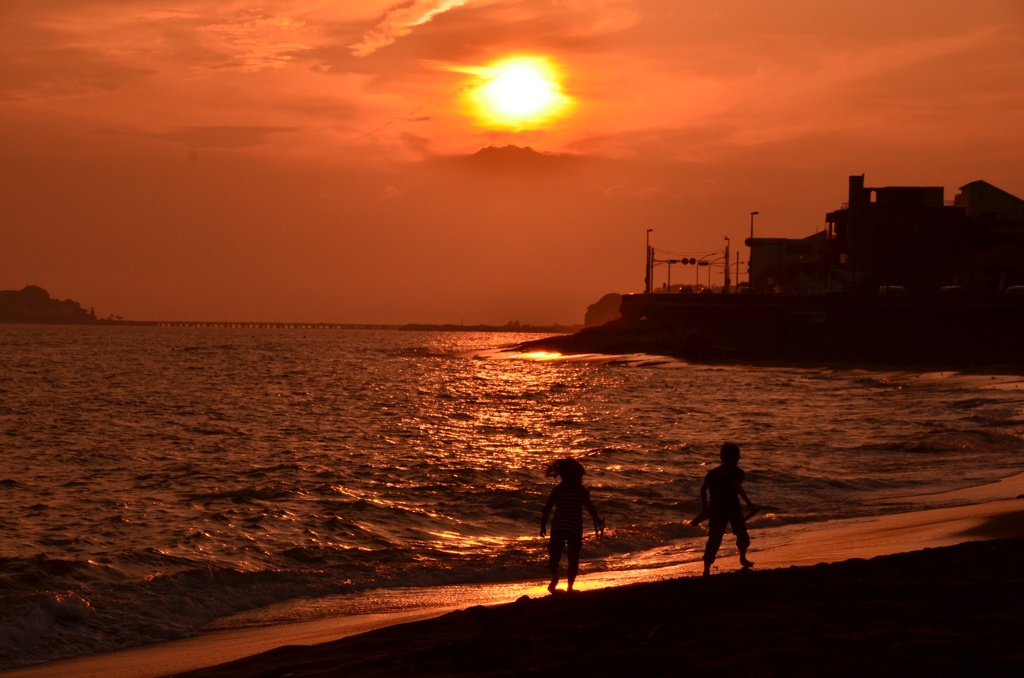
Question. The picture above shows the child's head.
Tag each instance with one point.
(569, 469)
(730, 453)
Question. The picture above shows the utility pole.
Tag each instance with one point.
(725, 287)
(649, 264)
(750, 259)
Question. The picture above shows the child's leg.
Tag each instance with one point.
(574, 562)
(716, 530)
(555, 547)
(739, 528)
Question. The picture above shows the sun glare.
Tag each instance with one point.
(542, 355)
(518, 93)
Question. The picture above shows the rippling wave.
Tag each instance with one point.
(158, 479)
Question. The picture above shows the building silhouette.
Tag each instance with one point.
(901, 237)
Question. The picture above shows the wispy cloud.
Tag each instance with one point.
(221, 136)
(257, 41)
(400, 22)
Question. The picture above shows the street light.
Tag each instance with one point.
(711, 262)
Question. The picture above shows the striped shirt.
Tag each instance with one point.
(568, 503)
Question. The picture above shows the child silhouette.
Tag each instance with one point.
(568, 499)
(725, 485)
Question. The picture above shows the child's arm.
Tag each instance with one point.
(743, 493)
(544, 516)
(598, 522)
(704, 494)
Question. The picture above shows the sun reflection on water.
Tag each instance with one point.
(541, 355)
(510, 416)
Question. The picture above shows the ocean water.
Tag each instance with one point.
(156, 481)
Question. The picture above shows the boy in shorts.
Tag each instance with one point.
(725, 485)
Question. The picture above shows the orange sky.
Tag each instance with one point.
(305, 160)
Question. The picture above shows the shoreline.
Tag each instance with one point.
(988, 513)
(952, 610)
(621, 337)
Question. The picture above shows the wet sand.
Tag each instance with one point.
(947, 611)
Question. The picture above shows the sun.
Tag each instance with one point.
(518, 93)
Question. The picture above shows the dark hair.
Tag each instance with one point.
(569, 469)
(730, 453)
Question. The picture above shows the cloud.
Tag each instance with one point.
(256, 41)
(64, 72)
(221, 136)
(391, 192)
(401, 21)
(642, 193)
(167, 14)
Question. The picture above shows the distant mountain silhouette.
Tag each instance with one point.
(518, 159)
(33, 304)
(508, 154)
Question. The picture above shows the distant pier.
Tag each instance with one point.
(514, 327)
(269, 326)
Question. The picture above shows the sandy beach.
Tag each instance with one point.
(947, 611)
(937, 591)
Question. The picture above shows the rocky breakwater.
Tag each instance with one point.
(800, 329)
